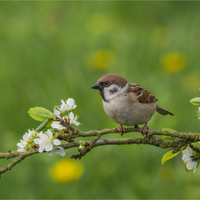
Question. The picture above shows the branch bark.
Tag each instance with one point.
(178, 140)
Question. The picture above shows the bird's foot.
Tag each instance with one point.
(144, 129)
(121, 130)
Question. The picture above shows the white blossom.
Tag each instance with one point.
(23, 143)
(26, 136)
(46, 141)
(57, 150)
(73, 119)
(57, 125)
(190, 163)
(68, 105)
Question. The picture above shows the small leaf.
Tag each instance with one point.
(195, 101)
(169, 130)
(168, 138)
(40, 113)
(196, 144)
(82, 143)
(168, 156)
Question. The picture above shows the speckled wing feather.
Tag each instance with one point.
(143, 95)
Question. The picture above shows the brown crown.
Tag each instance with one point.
(114, 78)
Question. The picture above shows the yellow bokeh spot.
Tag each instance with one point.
(66, 171)
(101, 59)
(173, 62)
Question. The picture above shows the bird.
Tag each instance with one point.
(127, 103)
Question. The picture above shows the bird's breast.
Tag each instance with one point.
(124, 111)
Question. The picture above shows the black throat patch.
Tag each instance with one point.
(102, 95)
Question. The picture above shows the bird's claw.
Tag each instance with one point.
(121, 130)
(144, 129)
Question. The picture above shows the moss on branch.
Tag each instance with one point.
(178, 140)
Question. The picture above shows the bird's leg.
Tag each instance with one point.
(121, 129)
(144, 129)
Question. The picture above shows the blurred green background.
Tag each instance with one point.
(55, 50)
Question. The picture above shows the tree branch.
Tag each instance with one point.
(178, 140)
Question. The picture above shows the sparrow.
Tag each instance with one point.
(127, 103)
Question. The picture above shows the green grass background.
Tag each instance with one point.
(45, 56)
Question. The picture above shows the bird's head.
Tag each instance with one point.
(110, 86)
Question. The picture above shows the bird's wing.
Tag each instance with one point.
(142, 95)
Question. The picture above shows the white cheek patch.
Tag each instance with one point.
(113, 88)
(113, 91)
(110, 92)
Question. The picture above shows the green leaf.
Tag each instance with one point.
(196, 144)
(168, 156)
(168, 137)
(40, 113)
(82, 143)
(169, 130)
(195, 101)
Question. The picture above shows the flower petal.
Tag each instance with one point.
(42, 135)
(37, 141)
(63, 106)
(41, 149)
(25, 137)
(30, 133)
(61, 151)
(57, 125)
(21, 145)
(71, 116)
(49, 147)
(56, 112)
(76, 123)
(56, 142)
(50, 134)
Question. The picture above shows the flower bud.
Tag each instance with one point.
(195, 101)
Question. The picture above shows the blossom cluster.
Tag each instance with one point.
(189, 161)
(48, 140)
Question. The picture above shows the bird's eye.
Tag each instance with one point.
(106, 84)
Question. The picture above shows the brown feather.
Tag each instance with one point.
(114, 78)
(163, 111)
(142, 94)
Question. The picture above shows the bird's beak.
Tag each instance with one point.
(96, 86)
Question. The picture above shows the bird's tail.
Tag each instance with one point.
(163, 111)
